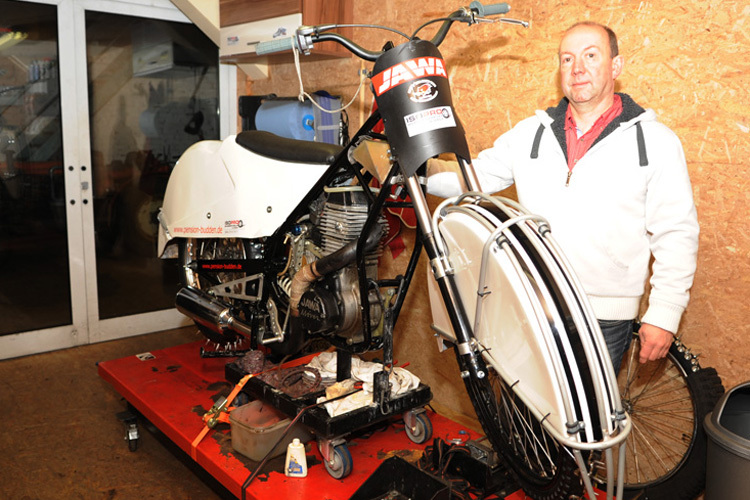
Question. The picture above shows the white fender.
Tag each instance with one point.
(510, 327)
(517, 324)
(218, 189)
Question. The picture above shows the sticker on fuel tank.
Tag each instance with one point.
(427, 120)
(232, 226)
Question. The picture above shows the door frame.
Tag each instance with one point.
(86, 326)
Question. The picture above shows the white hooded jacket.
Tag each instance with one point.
(628, 198)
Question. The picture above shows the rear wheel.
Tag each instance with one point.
(667, 401)
(194, 249)
(545, 470)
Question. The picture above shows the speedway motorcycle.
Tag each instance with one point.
(279, 241)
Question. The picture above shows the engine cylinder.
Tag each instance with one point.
(344, 214)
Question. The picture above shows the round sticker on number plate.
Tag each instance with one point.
(422, 91)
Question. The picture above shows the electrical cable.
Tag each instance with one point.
(303, 94)
(257, 470)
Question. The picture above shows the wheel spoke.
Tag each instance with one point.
(653, 445)
(541, 465)
(532, 444)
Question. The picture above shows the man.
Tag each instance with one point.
(613, 183)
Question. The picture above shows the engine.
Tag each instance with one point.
(330, 305)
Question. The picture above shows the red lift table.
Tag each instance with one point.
(169, 387)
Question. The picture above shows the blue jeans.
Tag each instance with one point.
(617, 335)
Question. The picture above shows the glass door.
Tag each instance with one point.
(98, 99)
(35, 286)
(153, 91)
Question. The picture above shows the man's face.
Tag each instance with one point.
(587, 70)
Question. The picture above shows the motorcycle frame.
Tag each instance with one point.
(425, 239)
(376, 203)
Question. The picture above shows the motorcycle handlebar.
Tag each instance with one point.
(314, 33)
(489, 10)
(273, 46)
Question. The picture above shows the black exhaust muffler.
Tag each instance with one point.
(209, 312)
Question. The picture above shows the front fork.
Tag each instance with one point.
(472, 365)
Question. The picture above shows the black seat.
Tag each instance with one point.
(294, 150)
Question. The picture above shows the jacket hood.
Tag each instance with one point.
(554, 118)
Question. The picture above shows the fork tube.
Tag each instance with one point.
(469, 174)
(585, 475)
(622, 448)
(445, 280)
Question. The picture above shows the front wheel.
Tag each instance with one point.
(545, 470)
(667, 401)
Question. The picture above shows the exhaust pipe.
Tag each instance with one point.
(209, 312)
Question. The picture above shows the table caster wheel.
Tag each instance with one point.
(421, 430)
(340, 464)
(131, 434)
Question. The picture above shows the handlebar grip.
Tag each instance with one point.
(272, 46)
(489, 10)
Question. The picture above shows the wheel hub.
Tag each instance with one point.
(627, 406)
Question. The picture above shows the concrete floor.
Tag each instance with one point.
(61, 438)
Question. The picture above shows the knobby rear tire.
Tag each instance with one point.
(667, 401)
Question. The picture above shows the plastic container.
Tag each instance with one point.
(728, 457)
(296, 461)
(287, 118)
(256, 429)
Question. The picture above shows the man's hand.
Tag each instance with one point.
(655, 342)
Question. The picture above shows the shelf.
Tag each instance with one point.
(244, 23)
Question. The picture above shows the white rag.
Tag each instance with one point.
(400, 380)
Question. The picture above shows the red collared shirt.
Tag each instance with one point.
(578, 145)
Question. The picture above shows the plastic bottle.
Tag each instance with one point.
(296, 461)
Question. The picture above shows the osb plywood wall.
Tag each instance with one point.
(689, 60)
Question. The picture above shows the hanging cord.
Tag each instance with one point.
(302, 94)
